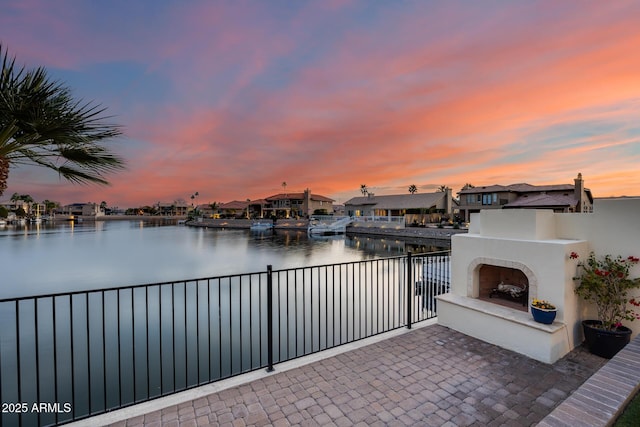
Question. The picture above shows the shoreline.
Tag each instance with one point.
(92, 218)
(418, 233)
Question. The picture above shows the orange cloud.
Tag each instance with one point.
(331, 96)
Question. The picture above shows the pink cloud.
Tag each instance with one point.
(449, 96)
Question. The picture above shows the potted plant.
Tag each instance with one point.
(543, 311)
(606, 283)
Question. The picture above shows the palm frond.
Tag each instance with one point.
(41, 123)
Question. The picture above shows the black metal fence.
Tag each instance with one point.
(65, 357)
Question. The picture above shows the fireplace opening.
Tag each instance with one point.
(504, 286)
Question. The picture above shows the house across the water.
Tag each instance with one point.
(558, 198)
(417, 208)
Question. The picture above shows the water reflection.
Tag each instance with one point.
(65, 256)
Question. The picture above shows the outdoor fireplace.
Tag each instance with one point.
(508, 259)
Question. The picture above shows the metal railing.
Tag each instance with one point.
(65, 357)
(380, 218)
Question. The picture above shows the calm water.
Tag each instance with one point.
(102, 350)
(52, 258)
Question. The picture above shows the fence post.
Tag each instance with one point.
(409, 296)
(270, 318)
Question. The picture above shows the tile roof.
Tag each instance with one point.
(236, 204)
(298, 196)
(543, 200)
(522, 187)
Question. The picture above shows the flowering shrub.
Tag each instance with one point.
(545, 305)
(606, 282)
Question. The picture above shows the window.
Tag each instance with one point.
(490, 198)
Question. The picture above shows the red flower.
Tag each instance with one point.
(573, 255)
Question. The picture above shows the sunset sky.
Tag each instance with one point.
(231, 98)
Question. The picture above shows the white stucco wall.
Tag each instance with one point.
(613, 228)
(542, 241)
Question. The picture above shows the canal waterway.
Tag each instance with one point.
(40, 259)
(115, 345)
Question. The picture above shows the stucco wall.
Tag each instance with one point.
(545, 239)
(613, 228)
(542, 241)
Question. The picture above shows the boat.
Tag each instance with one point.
(3, 222)
(261, 226)
(317, 227)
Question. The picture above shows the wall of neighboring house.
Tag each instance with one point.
(320, 204)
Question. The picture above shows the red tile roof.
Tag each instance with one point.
(298, 196)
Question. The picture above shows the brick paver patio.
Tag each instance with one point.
(430, 376)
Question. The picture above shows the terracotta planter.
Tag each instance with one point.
(542, 315)
(604, 343)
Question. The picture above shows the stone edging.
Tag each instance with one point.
(603, 397)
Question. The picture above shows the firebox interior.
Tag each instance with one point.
(504, 286)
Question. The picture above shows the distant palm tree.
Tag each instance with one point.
(284, 187)
(468, 186)
(41, 124)
(49, 206)
(413, 189)
(363, 189)
(442, 188)
(194, 196)
(24, 197)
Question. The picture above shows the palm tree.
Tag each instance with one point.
(442, 188)
(26, 198)
(284, 187)
(363, 189)
(194, 196)
(41, 124)
(49, 206)
(413, 189)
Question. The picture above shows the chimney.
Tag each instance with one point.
(578, 192)
(448, 204)
(307, 202)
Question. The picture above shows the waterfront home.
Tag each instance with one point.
(235, 209)
(81, 209)
(305, 204)
(418, 208)
(558, 197)
(175, 208)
